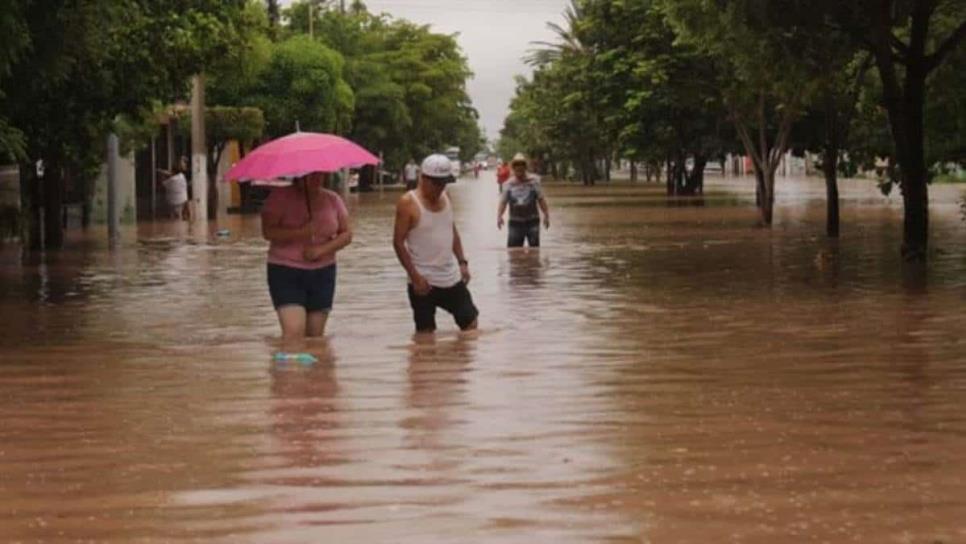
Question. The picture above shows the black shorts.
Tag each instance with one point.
(519, 231)
(455, 300)
(312, 289)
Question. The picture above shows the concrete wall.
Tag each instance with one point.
(125, 197)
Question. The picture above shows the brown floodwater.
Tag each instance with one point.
(657, 372)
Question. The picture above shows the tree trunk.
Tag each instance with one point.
(915, 192)
(86, 213)
(768, 197)
(670, 177)
(694, 180)
(761, 191)
(633, 172)
(905, 105)
(53, 204)
(30, 197)
(830, 165)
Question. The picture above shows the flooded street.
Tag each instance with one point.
(655, 373)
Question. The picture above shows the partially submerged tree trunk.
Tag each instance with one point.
(30, 196)
(767, 188)
(669, 174)
(840, 106)
(905, 104)
(53, 205)
(693, 182)
(766, 154)
(830, 165)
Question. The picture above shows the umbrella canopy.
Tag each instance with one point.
(299, 154)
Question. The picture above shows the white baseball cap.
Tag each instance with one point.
(439, 167)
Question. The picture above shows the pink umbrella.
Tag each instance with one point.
(299, 154)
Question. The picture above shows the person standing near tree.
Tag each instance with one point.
(502, 174)
(429, 248)
(175, 187)
(524, 195)
(411, 175)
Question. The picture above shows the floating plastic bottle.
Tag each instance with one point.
(303, 358)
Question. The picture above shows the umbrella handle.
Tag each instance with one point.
(308, 200)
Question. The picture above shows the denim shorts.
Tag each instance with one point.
(528, 230)
(312, 289)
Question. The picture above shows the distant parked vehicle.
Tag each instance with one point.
(453, 154)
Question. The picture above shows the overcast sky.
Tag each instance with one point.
(494, 35)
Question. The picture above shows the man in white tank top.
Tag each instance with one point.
(429, 248)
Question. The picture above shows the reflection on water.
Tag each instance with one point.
(654, 373)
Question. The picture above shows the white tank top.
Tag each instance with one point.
(430, 243)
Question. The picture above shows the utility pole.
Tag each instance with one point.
(199, 151)
(311, 22)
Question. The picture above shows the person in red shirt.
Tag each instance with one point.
(502, 174)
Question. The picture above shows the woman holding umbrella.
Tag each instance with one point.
(306, 226)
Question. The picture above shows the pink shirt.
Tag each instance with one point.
(328, 212)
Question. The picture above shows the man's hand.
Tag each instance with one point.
(499, 222)
(420, 286)
(546, 222)
(465, 272)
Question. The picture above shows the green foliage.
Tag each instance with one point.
(225, 123)
(557, 116)
(135, 131)
(408, 83)
(231, 78)
(759, 44)
(617, 82)
(91, 62)
(946, 113)
(14, 39)
(303, 84)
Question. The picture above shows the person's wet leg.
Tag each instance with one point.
(315, 323)
(533, 235)
(515, 235)
(292, 319)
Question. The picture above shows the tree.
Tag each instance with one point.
(90, 62)
(409, 83)
(567, 70)
(840, 79)
(769, 81)
(945, 113)
(14, 40)
(662, 98)
(303, 85)
(273, 14)
(910, 40)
